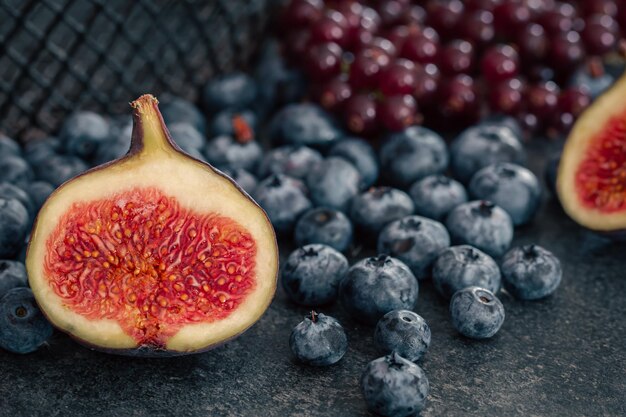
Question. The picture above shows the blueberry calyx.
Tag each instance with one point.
(379, 261)
(324, 216)
(471, 254)
(379, 192)
(483, 296)
(507, 172)
(309, 252)
(485, 208)
(411, 224)
(21, 312)
(275, 181)
(530, 252)
(441, 180)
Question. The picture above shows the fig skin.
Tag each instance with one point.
(136, 147)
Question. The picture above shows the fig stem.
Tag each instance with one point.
(149, 131)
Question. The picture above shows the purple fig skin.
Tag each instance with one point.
(137, 145)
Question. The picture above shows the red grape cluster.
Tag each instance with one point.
(388, 64)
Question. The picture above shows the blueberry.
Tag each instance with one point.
(373, 209)
(39, 191)
(9, 191)
(416, 241)
(333, 183)
(14, 223)
(239, 125)
(293, 160)
(374, 286)
(436, 195)
(12, 275)
(243, 178)
(324, 225)
(23, 328)
(404, 332)
(481, 224)
(233, 91)
(479, 146)
(115, 149)
(476, 313)
(394, 387)
(510, 186)
(56, 169)
(464, 266)
(318, 340)
(304, 124)
(179, 110)
(15, 170)
(503, 120)
(37, 151)
(83, 132)
(413, 154)
(187, 137)
(360, 154)
(530, 272)
(550, 172)
(594, 84)
(312, 273)
(8, 146)
(227, 152)
(284, 199)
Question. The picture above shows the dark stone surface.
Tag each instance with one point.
(563, 356)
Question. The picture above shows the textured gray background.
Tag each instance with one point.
(564, 356)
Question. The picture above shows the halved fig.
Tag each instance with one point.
(154, 254)
(591, 179)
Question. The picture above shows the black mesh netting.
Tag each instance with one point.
(60, 55)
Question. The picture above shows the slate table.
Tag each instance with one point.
(564, 356)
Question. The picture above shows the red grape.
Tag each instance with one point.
(499, 63)
(542, 100)
(559, 19)
(457, 57)
(399, 34)
(573, 100)
(397, 112)
(398, 78)
(420, 49)
(566, 51)
(333, 94)
(600, 34)
(383, 44)
(459, 102)
(477, 28)
(532, 43)
(509, 17)
(507, 97)
(488, 5)
(323, 61)
(426, 84)
(360, 114)
(443, 15)
(367, 66)
(332, 27)
(603, 7)
(415, 14)
(392, 11)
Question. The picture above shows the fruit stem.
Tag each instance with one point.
(243, 131)
(149, 131)
(314, 316)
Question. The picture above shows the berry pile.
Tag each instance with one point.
(394, 63)
(425, 208)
